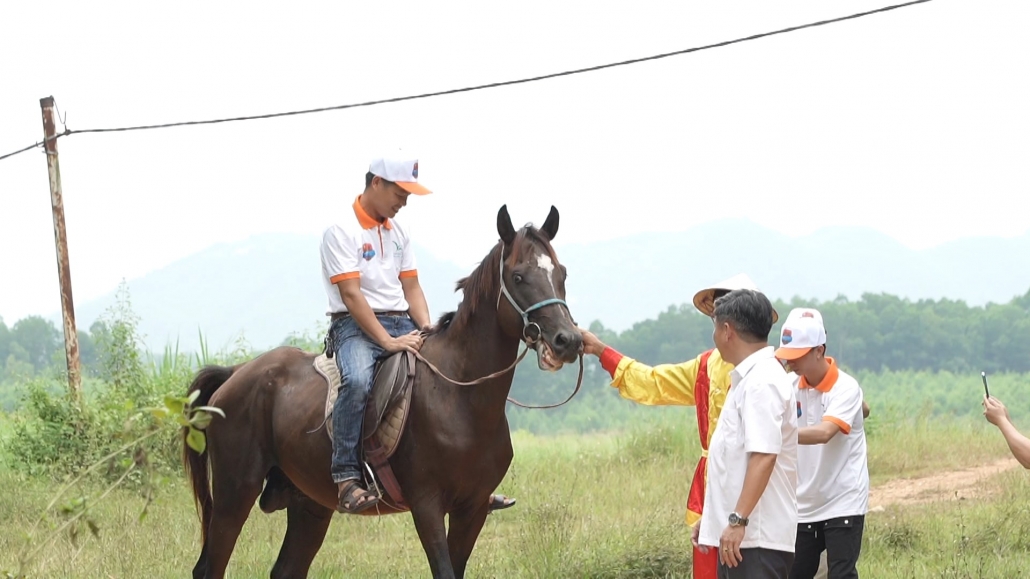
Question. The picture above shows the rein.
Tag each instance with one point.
(526, 339)
(579, 382)
(579, 379)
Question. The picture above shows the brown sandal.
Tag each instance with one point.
(349, 503)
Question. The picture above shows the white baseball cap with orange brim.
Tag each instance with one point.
(802, 330)
(399, 168)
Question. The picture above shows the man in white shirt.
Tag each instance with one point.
(750, 507)
(375, 302)
(833, 478)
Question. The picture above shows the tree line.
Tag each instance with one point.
(924, 354)
(875, 333)
(34, 345)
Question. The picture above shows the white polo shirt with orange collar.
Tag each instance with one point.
(379, 254)
(833, 478)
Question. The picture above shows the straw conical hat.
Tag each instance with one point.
(704, 300)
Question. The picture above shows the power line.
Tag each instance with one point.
(39, 144)
(481, 86)
(29, 148)
(498, 84)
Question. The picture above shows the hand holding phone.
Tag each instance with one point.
(987, 392)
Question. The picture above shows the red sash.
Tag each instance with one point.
(702, 385)
(705, 566)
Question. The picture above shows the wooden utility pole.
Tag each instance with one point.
(71, 337)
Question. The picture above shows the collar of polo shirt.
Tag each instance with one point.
(827, 382)
(365, 219)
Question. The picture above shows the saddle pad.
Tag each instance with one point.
(389, 432)
(331, 373)
(392, 401)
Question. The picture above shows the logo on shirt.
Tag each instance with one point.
(799, 409)
(787, 338)
(398, 250)
(367, 252)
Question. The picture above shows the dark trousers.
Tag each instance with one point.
(842, 540)
(759, 564)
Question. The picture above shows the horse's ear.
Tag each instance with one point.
(504, 227)
(550, 228)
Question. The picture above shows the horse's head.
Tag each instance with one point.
(533, 282)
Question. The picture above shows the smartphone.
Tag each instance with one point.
(986, 391)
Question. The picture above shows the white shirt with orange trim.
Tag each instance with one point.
(380, 254)
(833, 478)
(758, 416)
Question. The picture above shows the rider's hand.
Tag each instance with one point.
(591, 345)
(410, 342)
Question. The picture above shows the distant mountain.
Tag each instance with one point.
(268, 286)
(627, 280)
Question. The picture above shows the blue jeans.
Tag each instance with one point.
(356, 354)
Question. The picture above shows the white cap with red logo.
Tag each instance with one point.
(802, 331)
(401, 169)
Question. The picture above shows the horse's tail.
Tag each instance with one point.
(209, 379)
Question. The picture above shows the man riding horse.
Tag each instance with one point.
(376, 306)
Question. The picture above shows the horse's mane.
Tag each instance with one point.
(484, 284)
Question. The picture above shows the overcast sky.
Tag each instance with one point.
(914, 122)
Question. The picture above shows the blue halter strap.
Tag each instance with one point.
(525, 312)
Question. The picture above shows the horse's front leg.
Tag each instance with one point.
(465, 526)
(428, 516)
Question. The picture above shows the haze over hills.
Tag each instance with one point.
(264, 287)
(657, 269)
(269, 286)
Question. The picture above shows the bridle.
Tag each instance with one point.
(526, 324)
(529, 342)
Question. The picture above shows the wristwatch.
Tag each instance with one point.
(737, 521)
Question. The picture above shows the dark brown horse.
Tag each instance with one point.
(456, 446)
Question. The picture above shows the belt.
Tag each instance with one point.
(338, 315)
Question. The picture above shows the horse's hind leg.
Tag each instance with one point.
(200, 569)
(306, 526)
(233, 495)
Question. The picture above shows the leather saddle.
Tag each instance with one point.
(386, 412)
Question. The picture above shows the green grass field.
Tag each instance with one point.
(602, 506)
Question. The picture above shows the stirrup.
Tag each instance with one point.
(356, 504)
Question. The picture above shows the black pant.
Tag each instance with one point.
(759, 563)
(842, 540)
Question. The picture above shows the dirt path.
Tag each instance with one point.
(941, 486)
